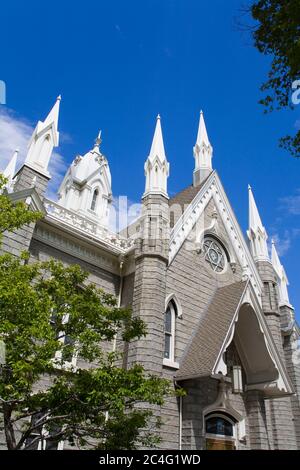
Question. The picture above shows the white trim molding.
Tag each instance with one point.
(281, 386)
(213, 189)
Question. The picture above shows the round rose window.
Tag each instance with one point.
(214, 254)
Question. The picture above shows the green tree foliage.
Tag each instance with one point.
(13, 215)
(50, 314)
(278, 35)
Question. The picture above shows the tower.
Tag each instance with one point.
(156, 165)
(202, 153)
(291, 335)
(35, 168)
(151, 258)
(86, 187)
(279, 411)
(30, 182)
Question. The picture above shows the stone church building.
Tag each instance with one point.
(216, 303)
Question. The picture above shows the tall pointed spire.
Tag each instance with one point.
(254, 217)
(282, 277)
(54, 113)
(202, 153)
(10, 170)
(202, 136)
(156, 165)
(257, 234)
(44, 138)
(157, 147)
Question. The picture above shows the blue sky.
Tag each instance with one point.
(118, 64)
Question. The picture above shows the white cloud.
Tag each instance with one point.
(283, 243)
(15, 132)
(291, 203)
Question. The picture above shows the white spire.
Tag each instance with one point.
(157, 147)
(257, 234)
(54, 113)
(282, 277)
(156, 165)
(202, 137)
(43, 139)
(202, 153)
(254, 217)
(10, 170)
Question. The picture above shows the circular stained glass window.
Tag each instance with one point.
(214, 254)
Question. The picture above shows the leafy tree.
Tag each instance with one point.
(49, 314)
(13, 215)
(278, 34)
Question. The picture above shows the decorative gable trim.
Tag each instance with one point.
(213, 188)
(280, 386)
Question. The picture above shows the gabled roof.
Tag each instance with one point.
(235, 314)
(210, 189)
(205, 345)
(183, 199)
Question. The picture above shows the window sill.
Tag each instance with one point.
(171, 364)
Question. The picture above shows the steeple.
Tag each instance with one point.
(202, 153)
(156, 165)
(86, 187)
(257, 234)
(44, 138)
(98, 141)
(282, 277)
(10, 170)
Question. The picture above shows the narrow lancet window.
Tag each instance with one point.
(94, 200)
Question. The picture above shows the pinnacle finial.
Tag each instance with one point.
(98, 139)
(158, 116)
(58, 98)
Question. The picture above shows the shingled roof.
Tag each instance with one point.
(183, 199)
(186, 196)
(202, 351)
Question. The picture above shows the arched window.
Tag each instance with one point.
(219, 425)
(169, 334)
(220, 432)
(94, 200)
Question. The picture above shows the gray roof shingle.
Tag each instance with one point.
(182, 200)
(202, 351)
